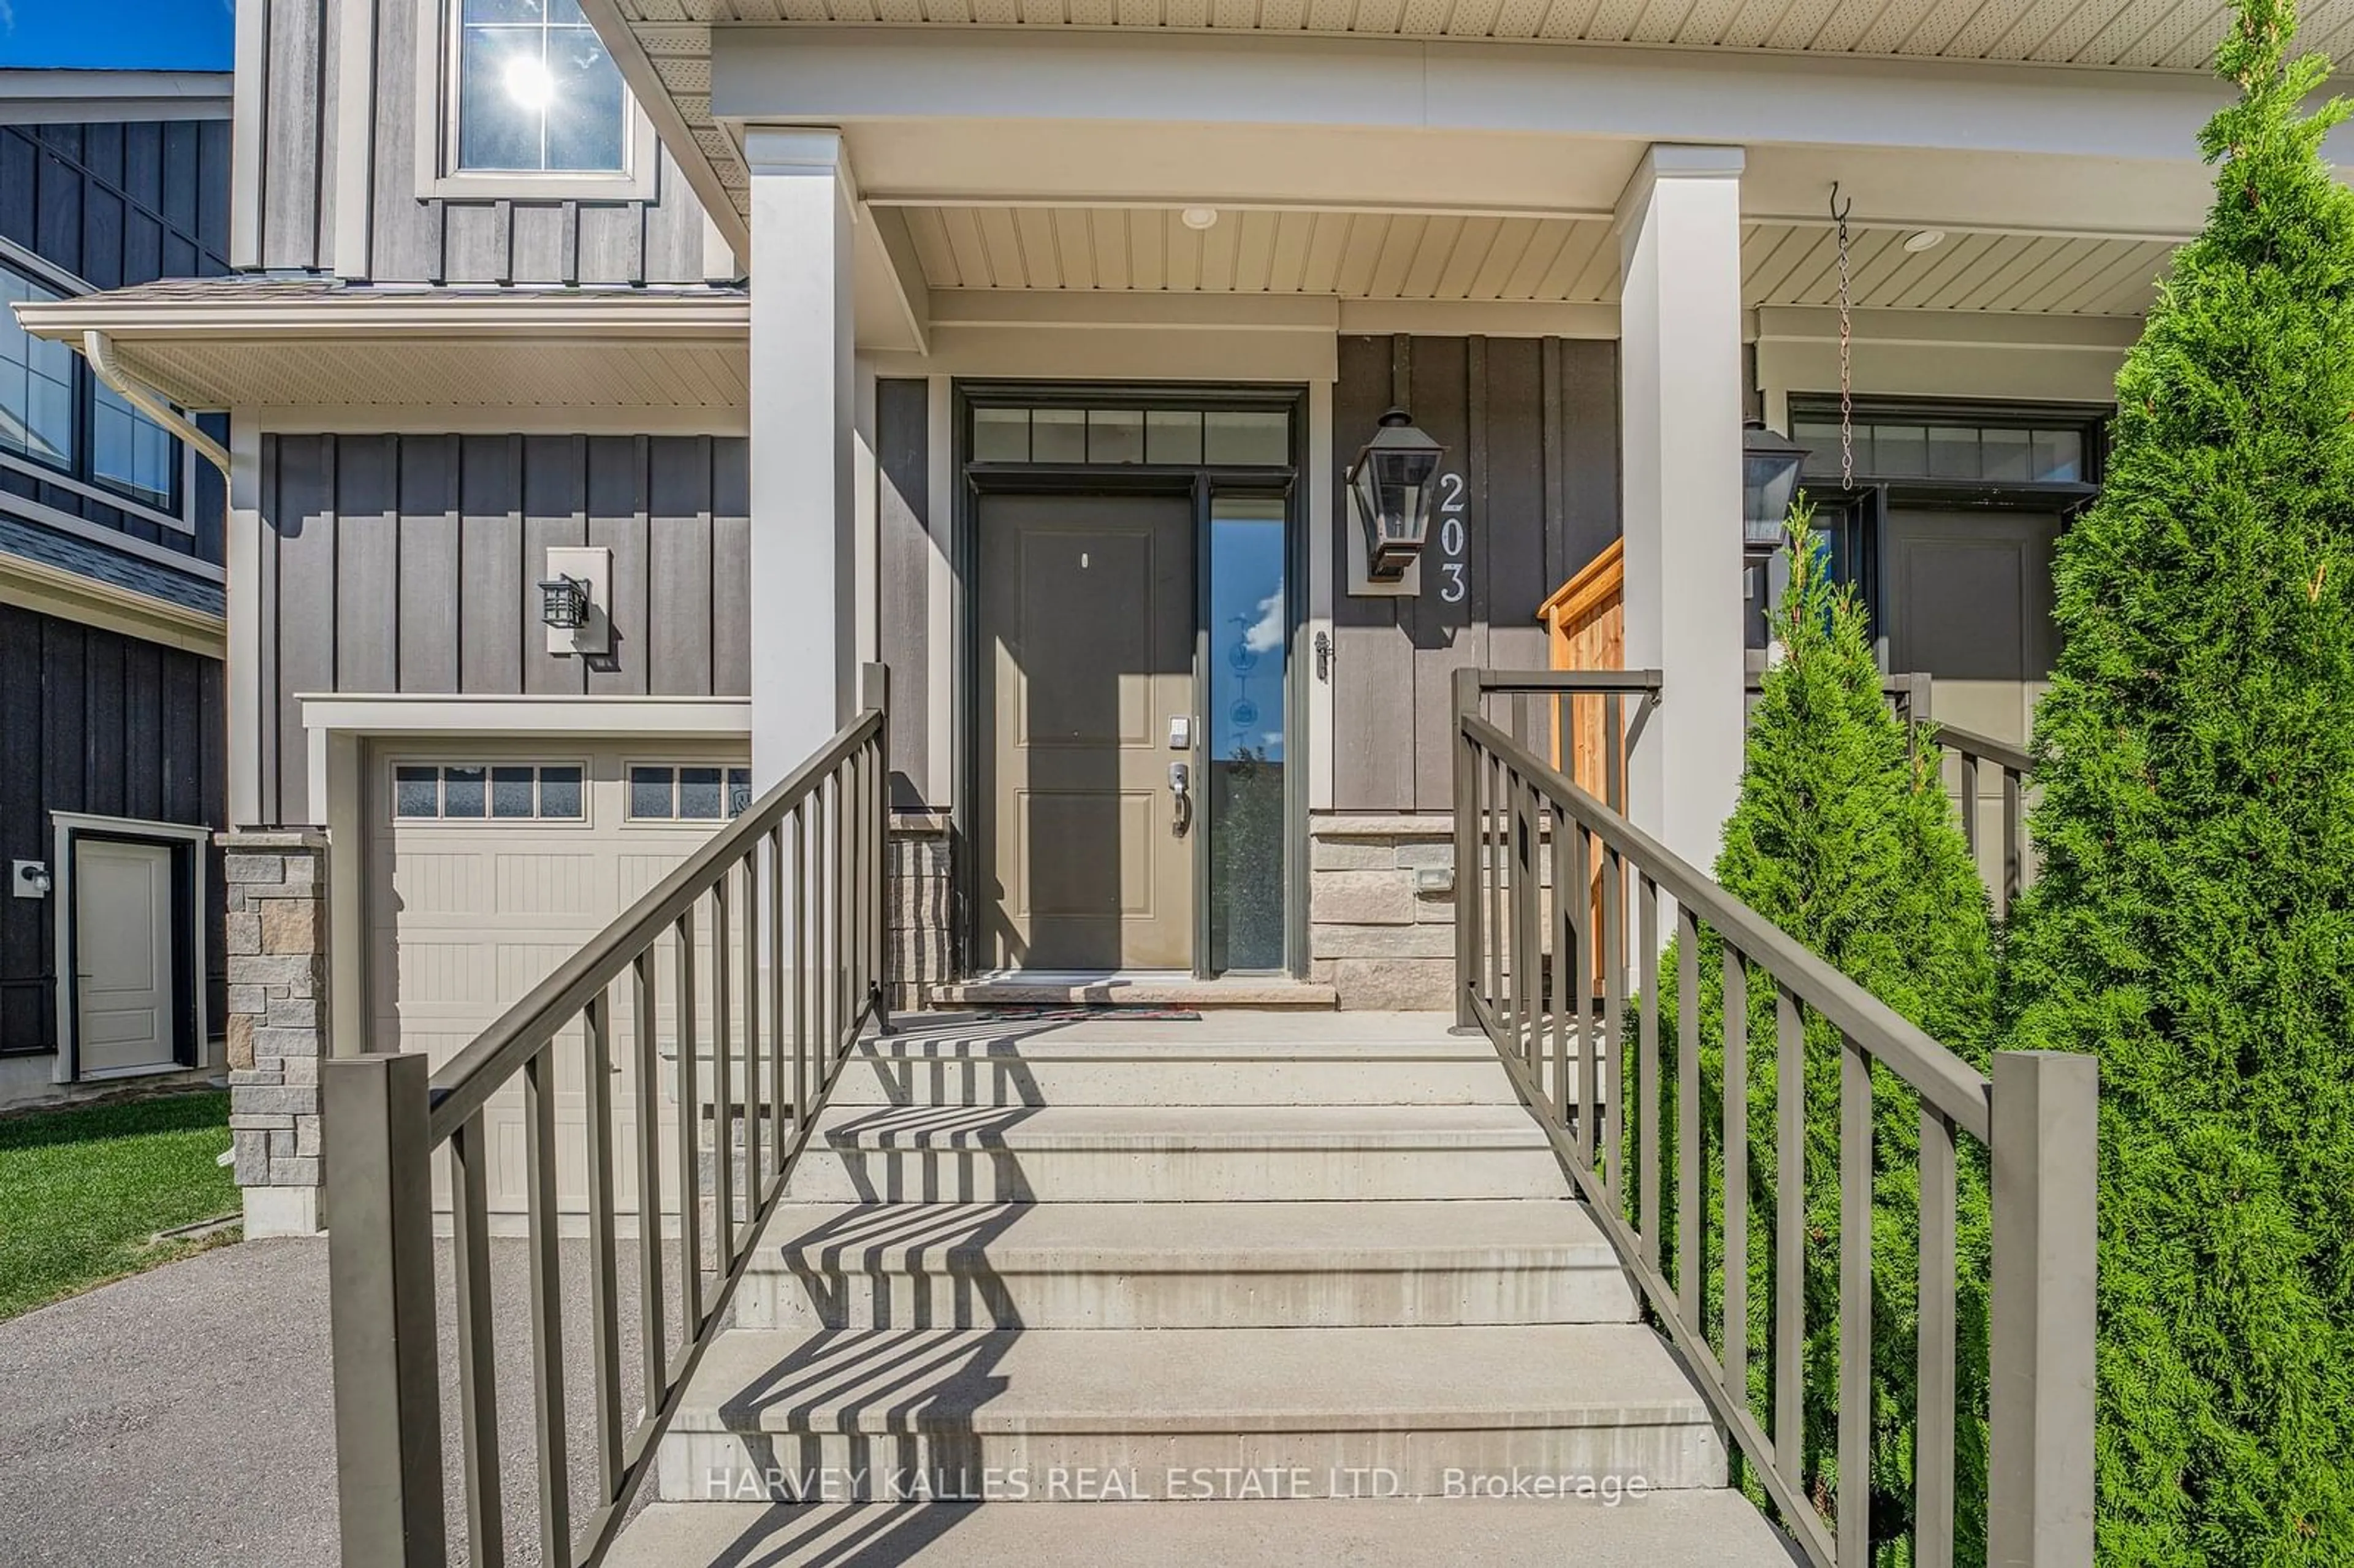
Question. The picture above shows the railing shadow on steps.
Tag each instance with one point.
(1523, 827)
(793, 894)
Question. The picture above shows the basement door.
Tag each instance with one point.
(124, 985)
(1084, 707)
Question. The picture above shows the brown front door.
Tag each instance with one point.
(1086, 632)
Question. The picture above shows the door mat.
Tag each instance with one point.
(1050, 1015)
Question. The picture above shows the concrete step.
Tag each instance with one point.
(1182, 1266)
(1137, 1412)
(1174, 1068)
(1152, 1153)
(1660, 1529)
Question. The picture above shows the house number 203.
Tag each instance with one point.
(1454, 541)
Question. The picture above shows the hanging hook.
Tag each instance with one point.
(1839, 213)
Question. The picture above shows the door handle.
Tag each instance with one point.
(1180, 785)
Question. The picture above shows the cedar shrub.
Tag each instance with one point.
(2193, 923)
(1845, 838)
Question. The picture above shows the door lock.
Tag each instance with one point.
(1180, 732)
(1180, 785)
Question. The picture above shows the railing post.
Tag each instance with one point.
(1467, 847)
(381, 1312)
(2046, 1123)
(874, 691)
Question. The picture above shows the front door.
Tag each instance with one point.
(1087, 631)
(123, 955)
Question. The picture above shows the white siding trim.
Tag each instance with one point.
(371, 714)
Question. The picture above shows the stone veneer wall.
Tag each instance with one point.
(1374, 934)
(919, 914)
(277, 925)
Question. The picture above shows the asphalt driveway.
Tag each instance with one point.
(185, 1415)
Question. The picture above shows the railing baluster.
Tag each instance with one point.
(1614, 1022)
(1736, 1174)
(478, 1397)
(2014, 867)
(1566, 896)
(1464, 700)
(754, 1189)
(1491, 870)
(604, 1306)
(1970, 802)
(802, 1094)
(723, 1078)
(546, 1306)
(1933, 1441)
(689, 1139)
(1647, 1047)
(1614, 748)
(1855, 1391)
(1789, 1237)
(1589, 1043)
(1528, 950)
(652, 1351)
(1692, 1254)
(778, 1090)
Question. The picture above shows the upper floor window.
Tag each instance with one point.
(536, 92)
(61, 418)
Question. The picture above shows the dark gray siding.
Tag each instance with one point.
(660, 241)
(410, 563)
(903, 574)
(94, 721)
(115, 205)
(1533, 427)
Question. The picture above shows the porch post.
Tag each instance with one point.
(1680, 387)
(803, 460)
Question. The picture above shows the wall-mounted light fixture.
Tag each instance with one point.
(1770, 463)
(574, 600)
(1393, 486)
(564, 603)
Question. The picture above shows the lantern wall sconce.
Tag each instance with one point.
(575, 600)
(1392, 490)
(1770, 465)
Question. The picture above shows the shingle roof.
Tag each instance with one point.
(89, 559)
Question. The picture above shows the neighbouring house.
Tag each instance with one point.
(112, 727)
(1028, 352)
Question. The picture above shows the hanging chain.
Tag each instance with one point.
(1846, 349)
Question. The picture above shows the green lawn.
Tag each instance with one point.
(81, 1189)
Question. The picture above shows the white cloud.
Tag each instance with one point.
(1265, 634)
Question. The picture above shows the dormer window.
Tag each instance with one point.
(537, 92)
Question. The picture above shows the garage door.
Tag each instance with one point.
(489, 869)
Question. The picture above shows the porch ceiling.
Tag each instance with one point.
(1387, 256)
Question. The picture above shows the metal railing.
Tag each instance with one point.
(792, 892)
(1522, 829)
(1587, 722)
(1978, 755)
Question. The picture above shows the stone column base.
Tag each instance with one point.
(277, 929)
(919, 908)
(1381, 909)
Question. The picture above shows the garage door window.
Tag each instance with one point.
(482, 792)
(690, 793)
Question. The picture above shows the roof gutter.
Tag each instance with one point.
(98, 349)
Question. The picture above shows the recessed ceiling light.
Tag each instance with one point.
(1927, 239)
(1198, 217)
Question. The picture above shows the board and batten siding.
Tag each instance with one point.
(904, 557)
(410, 563)
(295, 121)
(115, 205)
(1532, 427)
(94, 721)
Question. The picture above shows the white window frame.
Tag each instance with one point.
(439, 177)
(487, 760)
(673, 764)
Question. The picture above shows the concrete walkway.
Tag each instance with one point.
(185, 1415)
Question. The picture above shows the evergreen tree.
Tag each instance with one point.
(1845, 838)
(2194, 920)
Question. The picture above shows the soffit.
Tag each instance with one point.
(1395, 257)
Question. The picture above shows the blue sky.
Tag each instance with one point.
(116, 35)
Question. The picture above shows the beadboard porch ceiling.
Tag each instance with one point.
(1444, 257)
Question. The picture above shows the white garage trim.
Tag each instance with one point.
(338, 726)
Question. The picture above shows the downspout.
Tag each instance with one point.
(98, 349)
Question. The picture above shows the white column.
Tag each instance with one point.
(1679, 428)
(803, 436)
